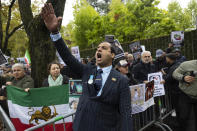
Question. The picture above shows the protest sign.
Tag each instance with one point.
(136, 49)
(177, 38)
(141, 97)
(75, 52)
(159, 88)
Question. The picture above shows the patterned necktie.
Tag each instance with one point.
(98, 80)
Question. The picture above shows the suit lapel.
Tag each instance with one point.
(110, 83)
(91, 90)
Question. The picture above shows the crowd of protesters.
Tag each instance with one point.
(178, 75)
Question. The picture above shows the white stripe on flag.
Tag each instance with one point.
(21, 112)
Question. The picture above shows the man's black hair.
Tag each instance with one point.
(111, 47)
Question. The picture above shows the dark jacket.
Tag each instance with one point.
(25, 82)
(109, 112)
(131, 79)
(159, 64)
(68, 72)
(181, 58)
(45, 83)
(141, 71)
(171, 83)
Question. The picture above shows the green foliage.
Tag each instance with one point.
(135, 20)
(18, 42)
(86, 19)
(192, 9)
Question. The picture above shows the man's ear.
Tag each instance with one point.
(113, 55)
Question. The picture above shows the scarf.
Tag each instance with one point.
(57, 82)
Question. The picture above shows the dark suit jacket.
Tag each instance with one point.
(73, 89)
(109, 112)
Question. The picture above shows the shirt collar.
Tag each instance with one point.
(105, 69)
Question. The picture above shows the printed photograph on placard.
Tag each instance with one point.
(135, 47)
(73, 102)
(137, 94)
(75, 87)
(156, 78)
(149, 90)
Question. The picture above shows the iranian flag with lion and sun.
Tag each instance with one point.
(39, 105)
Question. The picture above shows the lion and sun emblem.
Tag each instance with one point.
(45, 114)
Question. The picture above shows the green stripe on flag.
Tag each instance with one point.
(37, 97)
(27, 57)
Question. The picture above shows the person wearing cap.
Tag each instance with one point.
(180, 57)
(143, 68)
(160, 61)
(105, 103)
(172, 84)
(122, 67)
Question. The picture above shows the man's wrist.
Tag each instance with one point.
(183, 78)
(55, 37)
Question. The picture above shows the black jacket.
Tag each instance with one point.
(109, 112)
(181, 58)
(159, 64)
(141, 71)
(45, 83)
(171, 83)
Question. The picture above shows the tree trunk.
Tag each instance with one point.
(41, 48)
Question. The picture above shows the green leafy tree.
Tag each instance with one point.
(9, 23)
(85, 18)
(192, 10)
(181, 17)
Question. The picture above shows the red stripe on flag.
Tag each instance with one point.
(58, 127)
(26, 61)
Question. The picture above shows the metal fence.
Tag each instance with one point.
(52, 121)
(155, 114)
(5, 121)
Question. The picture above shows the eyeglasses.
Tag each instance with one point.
(147, 56)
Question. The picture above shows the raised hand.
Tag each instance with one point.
(51, 21)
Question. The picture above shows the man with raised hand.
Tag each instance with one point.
(105, 104)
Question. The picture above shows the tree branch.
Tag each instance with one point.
(9, 17)
(15, 29)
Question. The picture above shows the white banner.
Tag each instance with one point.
(159, 88)
(141, 97)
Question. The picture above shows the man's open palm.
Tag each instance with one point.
(49, 17)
